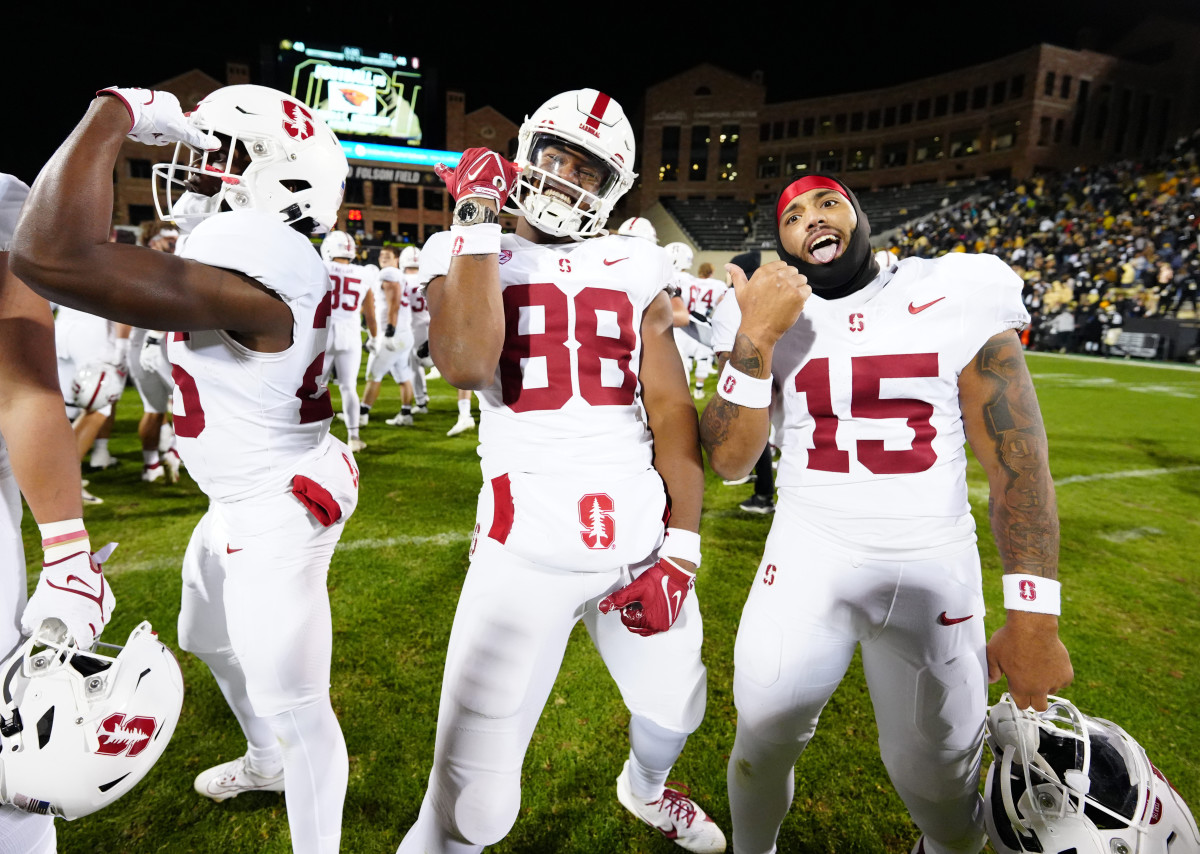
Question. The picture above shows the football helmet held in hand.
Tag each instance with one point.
(276, 156)
(78, 728)
(1062, 781)
(97, 385)
(576, 152)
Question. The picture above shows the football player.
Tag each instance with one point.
(694, 335)
(566, 335)
(38, 459)
(883, 377)
(637, 226)
(350, 282)
(248, 300)
(391, 352)
(704, 295)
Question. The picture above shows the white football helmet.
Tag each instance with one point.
(338, 244)
(79, 729)
(1061, 781)
(410, 257)
(681, 255)
(585, 121)
(97, 385)
(296, 168)
(639, 226)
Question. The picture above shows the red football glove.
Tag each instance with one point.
(653, 601)
(480, 172)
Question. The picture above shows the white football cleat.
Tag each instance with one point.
(87, 497)
(356, 445)
(462, 425)
(400, 420)
(675, 816)
(434, 374)
(102, 460)
(420, 409)
(151, 473)
(364, 419)
(172, 462)
(698, 394)
(229, 780)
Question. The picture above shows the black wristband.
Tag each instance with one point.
(391, 330)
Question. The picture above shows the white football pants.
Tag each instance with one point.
(920, 624)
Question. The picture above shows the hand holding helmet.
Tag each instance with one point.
(480, 172)
(157, 119)
(72, 599)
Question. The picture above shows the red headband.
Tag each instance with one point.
(802, 186)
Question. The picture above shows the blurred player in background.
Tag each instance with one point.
(351, 282)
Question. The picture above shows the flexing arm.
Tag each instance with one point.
(61, 250)
(1004, 427)
(672, 416)
(771, 301)
(32, 419)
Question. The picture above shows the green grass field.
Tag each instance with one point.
(1125, 456)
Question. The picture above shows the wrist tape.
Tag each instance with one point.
(743, 389)
(1032, 593)
(480, 239)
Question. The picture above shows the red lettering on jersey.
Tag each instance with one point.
(769, 574)
(353, 470)
(596, 514)
(730, 383)
(856, 322)
(118, 735)
(1028, 590)
(564, 265)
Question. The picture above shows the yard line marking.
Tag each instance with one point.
(1131, 534)
(1170, 366)
(1116, 475)
(444, 539)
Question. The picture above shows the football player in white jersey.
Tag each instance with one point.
(351, 283)
(390, 352)
(38, 455)
(883, 377)
(566, 336)
(693, 333)
(418, 355)
(248, 302)
(639, 226)
(704, 294)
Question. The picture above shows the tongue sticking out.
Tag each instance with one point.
(826, 252)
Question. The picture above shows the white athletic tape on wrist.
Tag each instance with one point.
(480, 239)
(60, 539)
(743, 389)
(1032, 593)
(682, 545)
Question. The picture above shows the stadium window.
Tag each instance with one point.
(768, 166)
(1103, 101)
(140, 169)
(906, 113)
(825, 124)
(964, 143)
(927, 148)
(1143, 122)
(856, 122)
(764, 132)
(381, 194)
(979, 98)
(702, 91)
(830, 161)
(960, 101)
(1048, 87)
(433, 199)
(728, 150)
(809, 126)
(1124, 109)
(699, 153)
(670, 153)
(1058, 131)
(1044, 131)
(354, 192)
(793, 128)
(895, 154)
(142, 213)
(873, 120)
(777, 130)
(1064, 91)
(889, 117)
(999, 92)
(406, 197)
(1005, 136)
(922, 109)
(941, 106)
(860, 160)
(1081, 106)
(382, 228)
(839, 123)
(795, 161)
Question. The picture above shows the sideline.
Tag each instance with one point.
(1103, 360)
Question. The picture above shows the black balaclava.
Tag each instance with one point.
(850, 271)
(748, 261)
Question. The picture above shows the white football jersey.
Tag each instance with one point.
(404, 315)
(414, 295)
(873, 440)
(349, 284)
(702, 295)
(247, 421)
(567, 395)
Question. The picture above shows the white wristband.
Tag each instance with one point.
(682, 545)
(1032, 593)
(480, 239)
(743, 389)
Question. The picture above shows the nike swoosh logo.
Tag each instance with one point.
(608, 263)
(950, 621)
(98, 599)
(80, 580)
(917, 309)
(230, 549)
(479, 166)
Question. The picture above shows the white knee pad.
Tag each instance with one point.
(487, 808)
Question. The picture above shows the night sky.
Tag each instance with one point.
(517, 59)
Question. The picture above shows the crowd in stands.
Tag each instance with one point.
(1096, 246)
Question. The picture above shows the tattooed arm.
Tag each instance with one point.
(770, 302)
(1004, 427)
